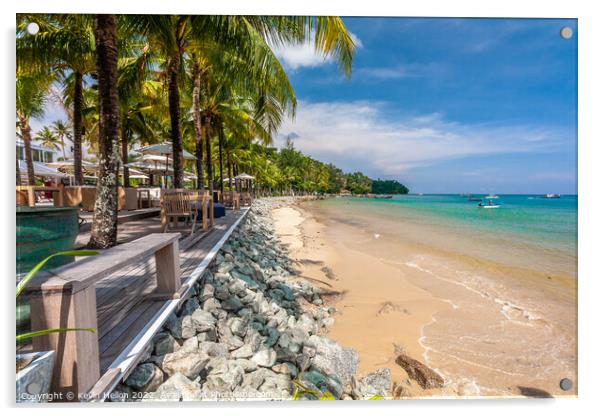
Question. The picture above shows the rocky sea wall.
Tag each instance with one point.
(250, 331)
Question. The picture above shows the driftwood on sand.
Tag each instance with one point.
(427, 378)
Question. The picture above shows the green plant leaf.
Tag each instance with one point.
(376, 397)
(33, 334)
(41, 264)
(327, 396)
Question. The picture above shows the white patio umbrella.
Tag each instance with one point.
(69, 165)
(40, 169)
(164, 149)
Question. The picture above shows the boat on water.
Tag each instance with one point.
(488, 205)
(383, 196)
(490, 196)
(551, 196)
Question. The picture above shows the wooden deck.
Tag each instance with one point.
(129, 315)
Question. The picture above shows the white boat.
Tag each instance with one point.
(492, 196)
(550, 196)
(488, 206)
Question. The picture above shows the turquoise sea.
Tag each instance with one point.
(545, 225)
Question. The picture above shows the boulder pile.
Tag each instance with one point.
(250, 330)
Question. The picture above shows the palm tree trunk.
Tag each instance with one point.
(221, 159)
(229, 162)
(208, 148)
(78, 100)
(104, 225)
(26, 134)
(198, 126)
(124, 157)
(174, 114)
(63, 147)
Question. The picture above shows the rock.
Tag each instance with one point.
(323, 382)
(265, 357)
(164, 343)
(214, 349)
(254, 379)
(190, 306)
(203, 321)
(145, 377)
(210, 336)
(207, 292)
(238, 326)
(226, 380)
(211, 305)
(180, 327)
(427, 378)
(226, 336)
(176, 388)
(272, 337)
(376, 383)
(222, 293)
(246, 365)
(232, 304)
(237, 287)
(187, 362)
(333, 359)
(121, 393)
(246, 351)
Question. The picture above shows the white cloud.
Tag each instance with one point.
(304, 54)
(355, 136)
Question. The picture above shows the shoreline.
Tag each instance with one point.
(431, 313)
(388, 324)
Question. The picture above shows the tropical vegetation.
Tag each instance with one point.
(210, 85)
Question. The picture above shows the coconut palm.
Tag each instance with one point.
(48, 138)
(30, 99)
(65, 44)
(104, 225)
(61, 130)
(176, 37)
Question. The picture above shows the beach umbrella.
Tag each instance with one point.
(40, 169)
(164, 149)
(244, 176)
(70, 163)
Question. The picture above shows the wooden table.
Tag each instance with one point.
(140, 197)
(57, 194)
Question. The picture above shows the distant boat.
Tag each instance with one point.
(492, 196)
(383, 196)
(551, 196)
(488, 205)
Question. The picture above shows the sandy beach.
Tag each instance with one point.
(398, 298)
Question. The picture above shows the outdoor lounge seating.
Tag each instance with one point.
(232, 199)
(176, 205)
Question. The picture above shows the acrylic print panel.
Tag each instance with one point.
(367, 209)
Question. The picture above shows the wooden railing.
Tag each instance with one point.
(66, 298)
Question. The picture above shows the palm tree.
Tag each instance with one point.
(104, 226)
(48, 138)
(61, 129)
(65, 44)
(30, 100)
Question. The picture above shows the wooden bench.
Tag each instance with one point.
(66, 298)
(232, 199)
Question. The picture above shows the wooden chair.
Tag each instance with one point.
(203, 203)
(232, 199)
(177, 204)
(246, 199)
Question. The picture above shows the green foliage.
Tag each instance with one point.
(358, 183)
(388, 187)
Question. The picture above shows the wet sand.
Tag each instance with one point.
(435, 307)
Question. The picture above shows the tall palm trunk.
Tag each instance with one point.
(104, 225)
(174, 114)
(221, 159)
(198, 126)
(208, 148)
(63, 146)
(78, 102)
(26, 134)
(229, 162)
(124, 156)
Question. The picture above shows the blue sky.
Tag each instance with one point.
(445, 105)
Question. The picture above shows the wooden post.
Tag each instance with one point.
(31, 196)
(58, 197)
(167, 261)
(77, 363)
